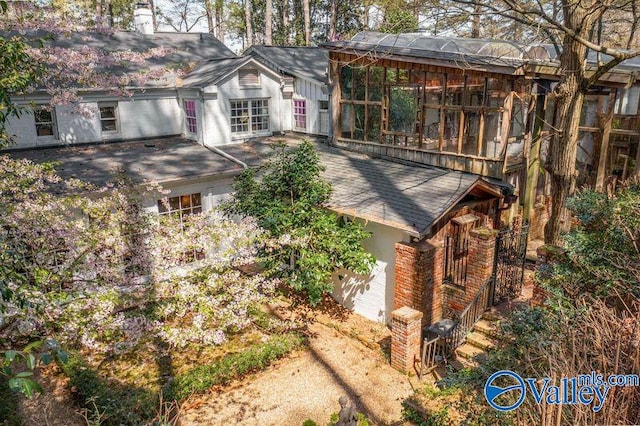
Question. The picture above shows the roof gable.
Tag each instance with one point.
(309, 63)
(212, 72)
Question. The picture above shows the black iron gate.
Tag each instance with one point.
(508, 263)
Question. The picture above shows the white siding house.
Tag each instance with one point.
(372, 296)
(236, 99)
(307, 66)
(97, 119)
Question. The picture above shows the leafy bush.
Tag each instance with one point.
(286, 196)
(603, 249)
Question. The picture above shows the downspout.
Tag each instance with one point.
(227, 156)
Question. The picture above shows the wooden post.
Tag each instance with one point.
(334, 80)
(506, 127)
(604, 147)
(533, 167)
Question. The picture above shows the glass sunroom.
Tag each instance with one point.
(435, 96)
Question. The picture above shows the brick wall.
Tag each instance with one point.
(418, 279)
(419, 272)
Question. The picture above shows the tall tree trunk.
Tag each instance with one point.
(219, 12)
(285, 21)
(154, 18)
(333, 19)
(475, 23)
(208, 10)
(98, 13)
(268, 22)
(247, 23)
(569, 100)
(307, 22)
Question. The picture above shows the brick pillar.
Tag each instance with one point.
(482, 248)
(406, 337)
(547, 255)
(418, 279)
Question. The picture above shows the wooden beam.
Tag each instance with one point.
(480, 134)
(533, 165)
(604, 147)
(506, 126)
(460, 132)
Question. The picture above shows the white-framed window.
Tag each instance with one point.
(181, 205)
(190, 116)
(108, 117)
(300, 114)
(249, 116)
(249, 77)
(45, 122)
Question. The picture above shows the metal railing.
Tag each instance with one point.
(470, 316)
(440, 348)
(433, 352)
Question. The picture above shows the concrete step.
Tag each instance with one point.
(465, 363)
(492, 315)
(470, 353)
(480, 340)
(489, 328)
(439, 373)
(457, 364)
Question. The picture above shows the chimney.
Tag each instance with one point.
(143, 19)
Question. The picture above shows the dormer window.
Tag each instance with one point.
(249, 77)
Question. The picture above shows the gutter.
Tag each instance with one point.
(227, 156)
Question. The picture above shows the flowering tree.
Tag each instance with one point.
(92, 269)
(33, 60)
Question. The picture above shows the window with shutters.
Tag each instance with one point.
(249, 77)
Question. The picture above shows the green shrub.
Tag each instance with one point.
(202, 378)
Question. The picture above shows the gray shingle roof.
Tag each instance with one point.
(187, 49)
(210, 72)
(407, 197)
(159, 160)
(309, 63)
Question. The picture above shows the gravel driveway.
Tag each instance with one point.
(307, 385)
